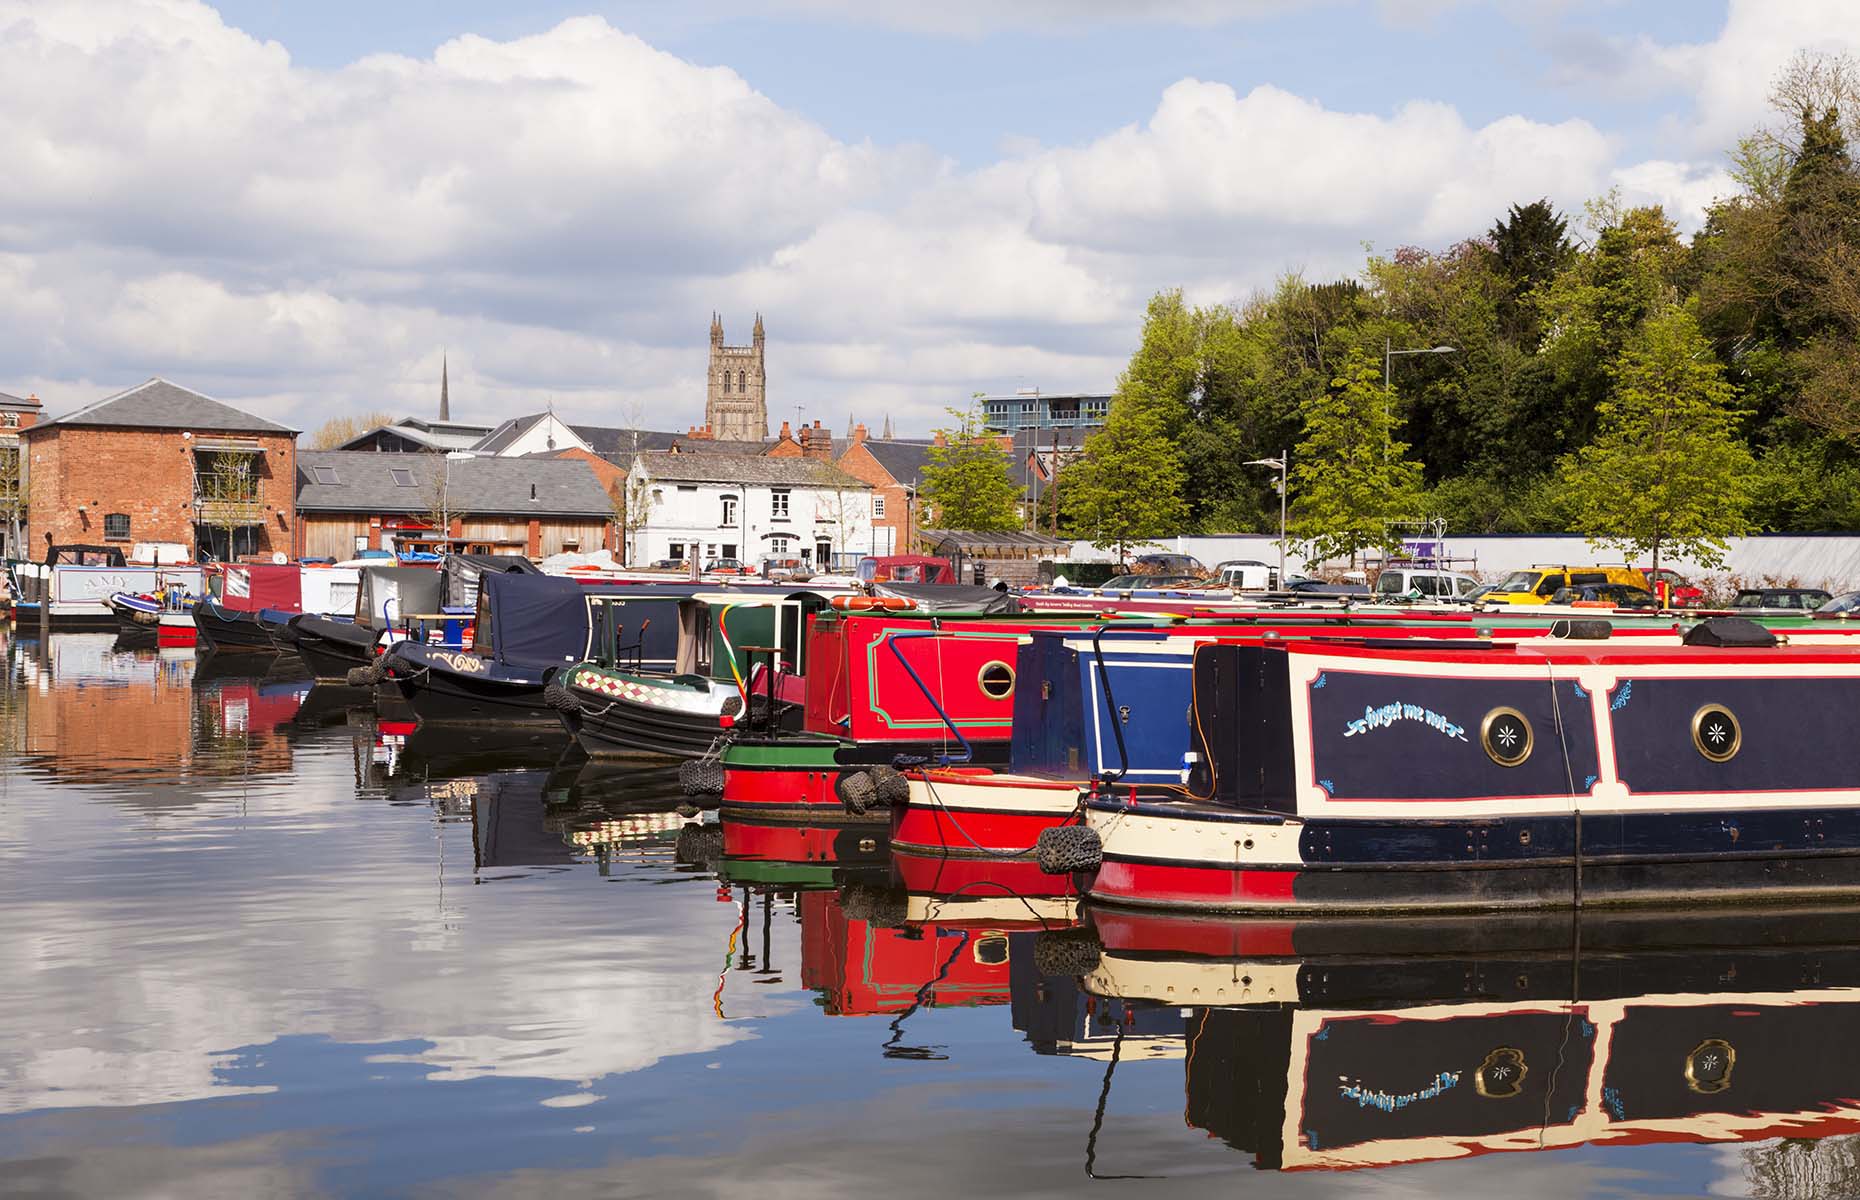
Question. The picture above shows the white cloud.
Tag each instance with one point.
(561, 212)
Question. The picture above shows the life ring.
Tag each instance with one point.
(872, 603)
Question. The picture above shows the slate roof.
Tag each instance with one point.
(159, 404)
(434, 435)
(16, 402)
(482, 485)
(608, 442)
(507, 433)
(745, 469)
(904, 460)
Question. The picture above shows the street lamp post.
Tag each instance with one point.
(1389, 355)
(1279, 464)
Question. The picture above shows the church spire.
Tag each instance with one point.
(716, 329)
(445, 392)
(887, 426)
(756, 335)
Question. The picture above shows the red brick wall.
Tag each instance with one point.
(146, 473)
(900, 515)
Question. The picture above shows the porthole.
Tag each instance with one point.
(1506, 735)
(1501, 1075)
(991, 949)
(1716, 733)
(1708, 1067)
(996, 680)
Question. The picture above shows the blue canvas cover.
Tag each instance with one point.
(548, 620)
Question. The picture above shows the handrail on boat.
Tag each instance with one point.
(968, 751)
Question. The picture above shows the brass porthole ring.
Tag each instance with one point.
(996, 679)
(1506, 735)
(1501, 1075)
(1708, 1067)
(1716, 733)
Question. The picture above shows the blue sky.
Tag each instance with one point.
(302, 207)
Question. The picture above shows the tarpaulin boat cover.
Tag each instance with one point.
(951, 597)
(546, 620)
(463, 571)
(403, 591)
(255, 586)
(329, 589)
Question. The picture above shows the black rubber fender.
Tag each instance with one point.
(1066, 849)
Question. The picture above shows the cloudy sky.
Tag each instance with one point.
(300, 207)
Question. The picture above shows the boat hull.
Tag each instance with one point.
(619, 714)
(798, 777)
(458, 687)
(332, 648)
(225, 631)
(981, 814)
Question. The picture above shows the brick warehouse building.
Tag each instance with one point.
(161, 463)
(352, 500)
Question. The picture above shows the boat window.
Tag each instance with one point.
(1506, 735)
(1716, 733)
(997, 680)
(991, 950)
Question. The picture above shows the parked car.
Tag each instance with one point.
(1680, 591)
(1247, 575)
(1605, 595)
(1781, 599)
(1537, 584)
(783, 568)
(1428, 584)
(1846, 604)
(1168, 564)
(669, 564)
(725, 566)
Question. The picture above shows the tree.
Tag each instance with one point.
(1128, 489)
(441, 502)
(1667, 471)
(633, 503)
(228, 496)
(337, 430)
(1350, 477)
(966, 483)
(1529, 249)
(12, 496)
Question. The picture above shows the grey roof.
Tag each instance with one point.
(691, 445)
(904, 460)
(608, 441)
(15, 401)
(481, 485)
(745, 469)
(507, 433)
(159, 404)
(969, 540)
(433, 435)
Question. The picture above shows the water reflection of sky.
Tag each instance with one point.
(227, 981)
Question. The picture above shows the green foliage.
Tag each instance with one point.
(1667, 471)
(1350, 477)
(1544, 327)
(967, 484)
(1128, 488)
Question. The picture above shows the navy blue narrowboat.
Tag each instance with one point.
(1381, 776)
(527, 627)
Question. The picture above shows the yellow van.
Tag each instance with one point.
(1538, 584)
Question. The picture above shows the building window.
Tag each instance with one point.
(739, 382)
(878, 507)
(116, 527)
(402, 476)
(729, 550)
(324, 474)
(677, 551)
(779, 546)
(9, 420)
(778, 503)
(729, 510)
(726, 382)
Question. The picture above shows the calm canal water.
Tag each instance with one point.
(255, 944)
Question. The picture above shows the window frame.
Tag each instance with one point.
(403, 477)
(780, 503)
(878, 507)
(128, 526)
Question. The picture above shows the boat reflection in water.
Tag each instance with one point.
(1339, 1045)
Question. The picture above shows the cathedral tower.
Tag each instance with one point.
(737, 407)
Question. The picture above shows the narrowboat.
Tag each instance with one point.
(612, 705)
(385, 596)
(528, 627)
(163, 618)
(1113, 703)
(1441, 775)
(1362, 1046)
(884, 686)
(72, 586)
(229, 617)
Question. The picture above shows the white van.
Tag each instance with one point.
(1247, 575)
(1428, 585)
